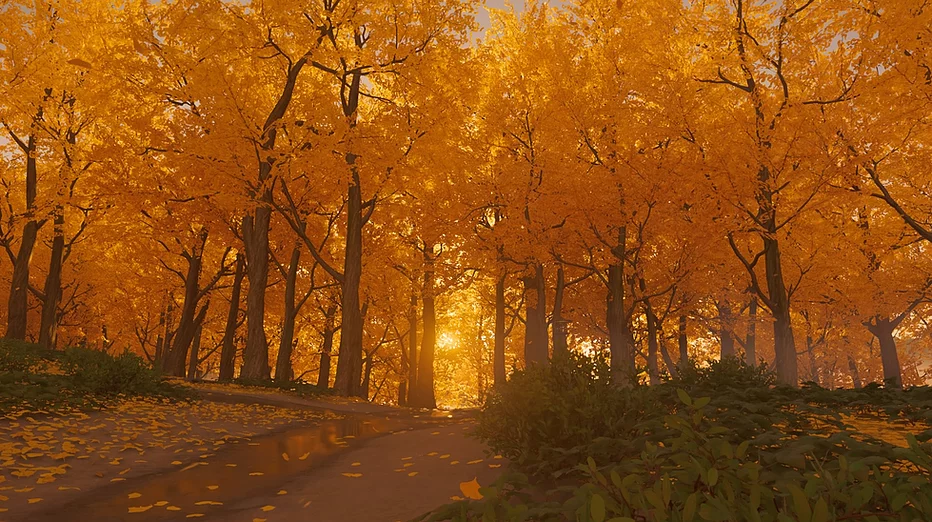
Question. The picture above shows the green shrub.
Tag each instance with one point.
(99, 373)
(34, 378)
(662, 445)
(701, 472)
(729, 372)
(22, 358)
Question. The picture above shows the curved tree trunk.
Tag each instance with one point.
(190, 318)
(195, 353)
(883, 329)
(228, 350)
(283, 370)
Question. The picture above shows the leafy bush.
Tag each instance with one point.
(301, 388)
(729, 372)
(790, 453)
(32, 377)
(702, 473)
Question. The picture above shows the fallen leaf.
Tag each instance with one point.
(474, 461)
(134, 495)
(306, 455)
(256, 474)
(285, 456)
(194, 515)
(413, 473)
(208, 503)
(176, 463)
(445, 456)
(212, 487)
(267, 508)
(173, 508)
(356, 464)
(408, 464)
(24, 490)
(432, 453)
(352, 475)
(456, 498)
(140, 509)
(34, 500)
(161, 503)
(471, 489)
(495, 465)
(282, 492)
(452, 462)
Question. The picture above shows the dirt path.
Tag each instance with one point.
(266, 457)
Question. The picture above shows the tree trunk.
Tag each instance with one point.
(750, 342)
(813, 366)
(668, 361)
(349, 364)
(228, 350)
(195, 353)
(187, 325)
(48, 330)
(169, 334)
(283, 370)
(559, 325)
(366, 378)
(535, 337)
(412, 348)
(423, 396)
(323, 377)
(855, 374)
(499, 351)
(725, 326)
(620, 340)
(883, 328)
(18, 306)
(653, 368)
(683, 341)
(256, 240)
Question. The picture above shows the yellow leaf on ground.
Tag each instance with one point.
(356, 464)
(306, 455)
(194, 515)
(231, 465)
(413, 473)
(68, 488)
(134, 495)
(161, 503)
(406, 458)
(456, 497)
(408, 464)
(267, 508)
(258, 520)
(471, 489)
(432, 453)
(140, 509)
(176, 463)
(173, 508)
(445, 456)
(208, 503)
(282, 492)
(24, 490)
(474, 461)
(34, 500)
(495, 465)
(285, 456)
(212, 487)
(352, 475)
(452, 462)
(256, 474)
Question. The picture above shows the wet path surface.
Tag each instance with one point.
(205, 485)
(381, 465)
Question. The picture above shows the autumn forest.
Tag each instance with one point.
(386, 199)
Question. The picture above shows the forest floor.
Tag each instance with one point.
(237, 455)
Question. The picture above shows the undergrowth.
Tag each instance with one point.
(720, 442)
